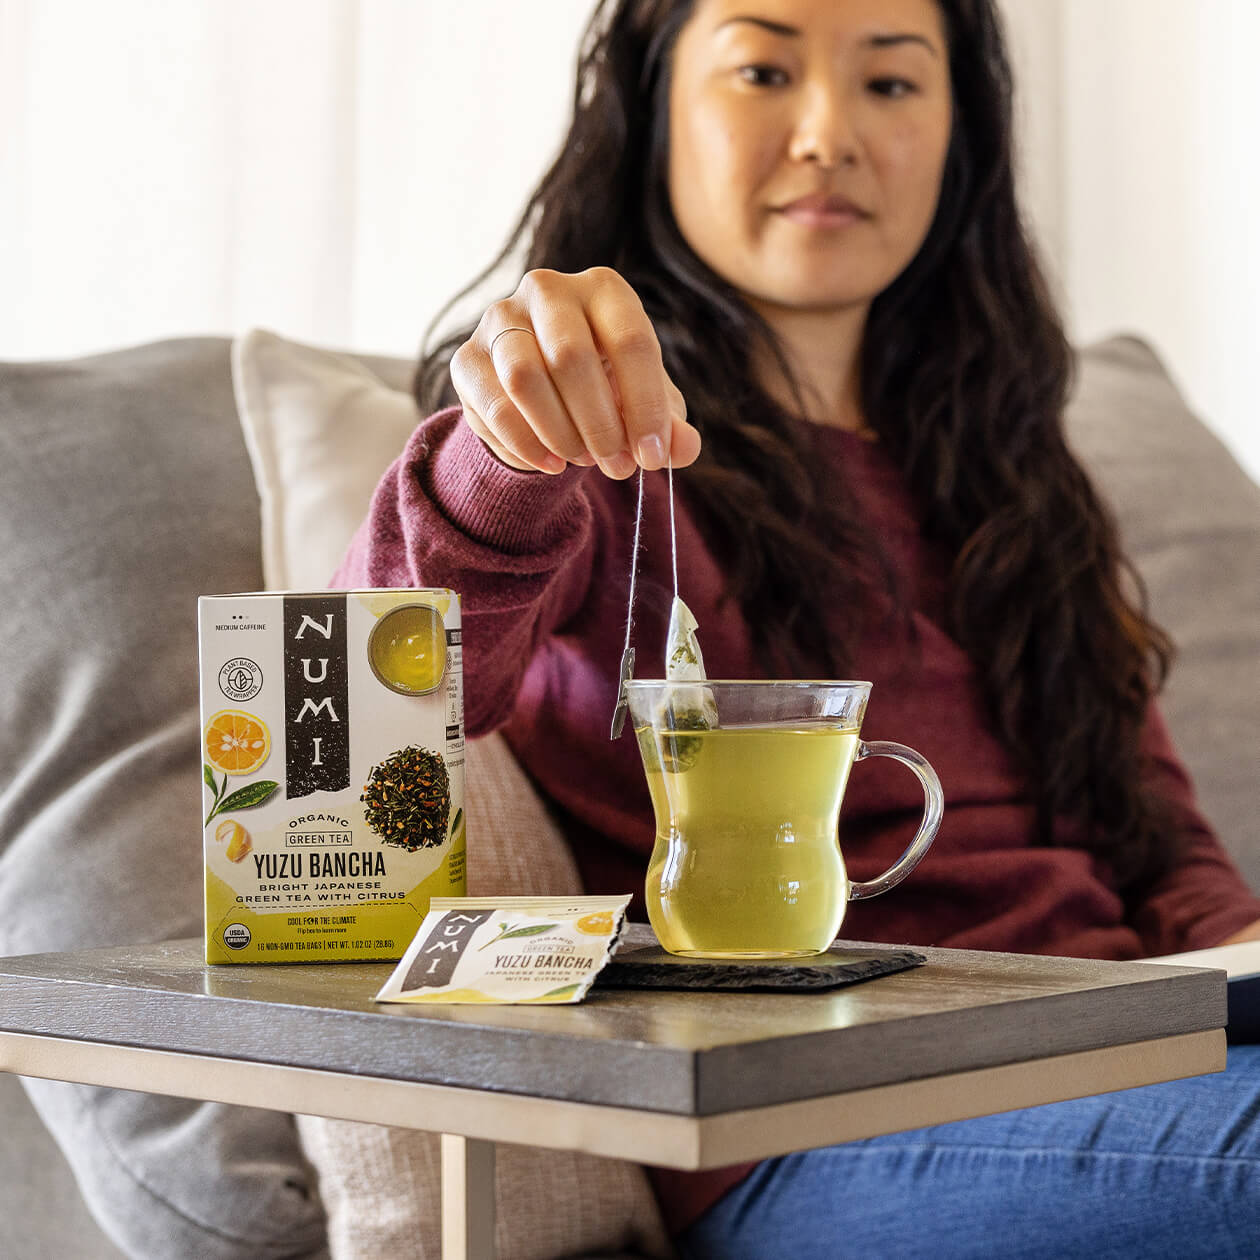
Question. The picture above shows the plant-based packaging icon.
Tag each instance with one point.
(333, 771)
(507, 950)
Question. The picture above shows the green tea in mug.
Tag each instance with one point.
(753, 819)
(746, 780)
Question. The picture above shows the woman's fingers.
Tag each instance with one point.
(567, 344)
(684, 444)
(493, 416)
(498, 451)
(628, 342)
(518, 365)
(684, 440)
(569, 370)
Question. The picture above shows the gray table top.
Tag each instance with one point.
(682, 1053)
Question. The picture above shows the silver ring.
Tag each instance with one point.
(504, 331)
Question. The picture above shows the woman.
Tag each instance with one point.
(780, 251)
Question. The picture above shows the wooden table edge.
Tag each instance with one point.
(647, 1137)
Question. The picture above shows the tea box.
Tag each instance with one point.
(332, 771)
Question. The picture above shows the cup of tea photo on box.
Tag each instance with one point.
(333, 771)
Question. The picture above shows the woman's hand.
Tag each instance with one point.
(568, 370)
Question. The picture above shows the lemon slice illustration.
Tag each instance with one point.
(237, 742)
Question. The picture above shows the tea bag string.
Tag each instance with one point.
(673, 535)
(634, 565)
(627, 652)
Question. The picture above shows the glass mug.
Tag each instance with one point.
(746, 780)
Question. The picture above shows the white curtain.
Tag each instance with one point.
(1142, 173)
(334, 169)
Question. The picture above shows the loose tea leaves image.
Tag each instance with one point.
(407, 799)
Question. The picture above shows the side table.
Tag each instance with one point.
(681, 1079)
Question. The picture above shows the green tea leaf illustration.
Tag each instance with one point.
(531, 929)
(217, 788)
(249, 796)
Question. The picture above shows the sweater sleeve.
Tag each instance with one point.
(517, 548)
(1204, 898)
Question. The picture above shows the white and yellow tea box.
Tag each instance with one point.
(536, 950)
(333, 771)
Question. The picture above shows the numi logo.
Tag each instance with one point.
(448, 938)
(316, 726)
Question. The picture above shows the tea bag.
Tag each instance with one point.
(693, 707)
(686, 708)
(683, 659)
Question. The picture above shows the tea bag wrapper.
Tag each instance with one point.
(507, 950)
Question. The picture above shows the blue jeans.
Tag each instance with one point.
(1168, 1170)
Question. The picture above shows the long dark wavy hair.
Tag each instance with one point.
(965, 371)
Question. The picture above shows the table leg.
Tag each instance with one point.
(467, 1198)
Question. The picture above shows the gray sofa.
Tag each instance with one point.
(126, 491)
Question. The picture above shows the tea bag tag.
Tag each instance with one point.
(623, 696)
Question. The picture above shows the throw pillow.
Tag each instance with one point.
(320, 428)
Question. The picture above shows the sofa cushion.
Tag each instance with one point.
(125, 492)
(33, 1175)
(1190, 520)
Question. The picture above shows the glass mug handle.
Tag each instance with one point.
(933, 808)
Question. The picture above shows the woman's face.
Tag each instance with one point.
(807, 143)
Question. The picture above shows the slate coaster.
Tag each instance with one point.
(653, 968)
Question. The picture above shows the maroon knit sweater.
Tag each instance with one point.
(542, 566)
